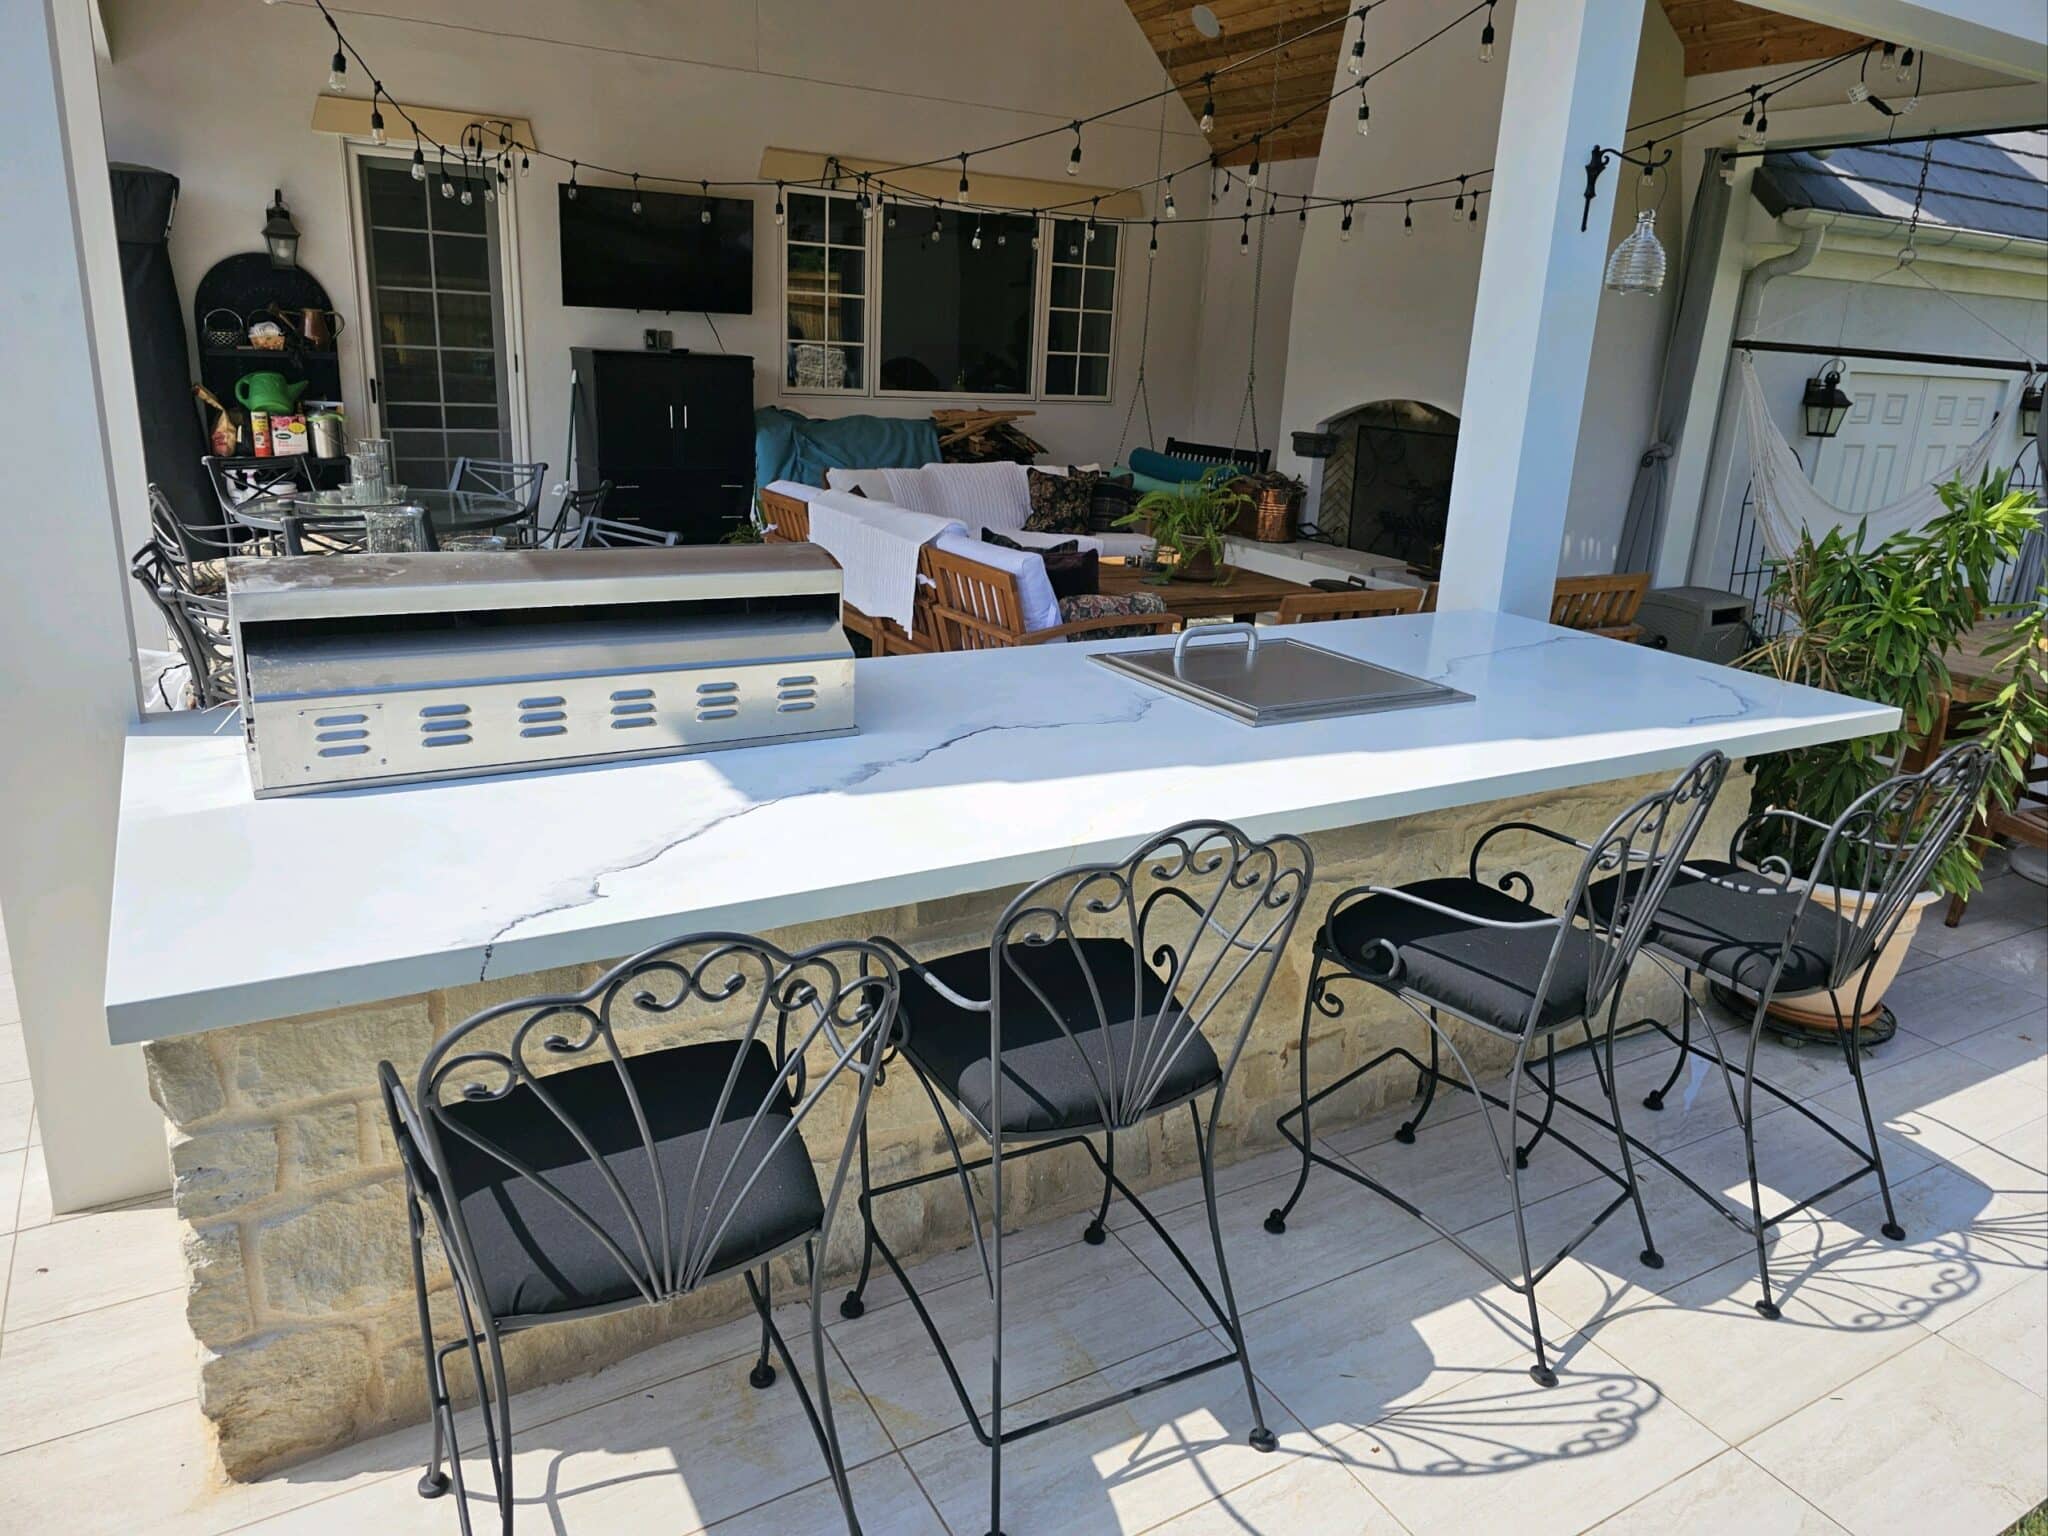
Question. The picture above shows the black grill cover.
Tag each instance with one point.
(172, 442)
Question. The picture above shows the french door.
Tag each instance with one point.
(439, 345)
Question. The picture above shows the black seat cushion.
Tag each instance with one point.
(1047, 1084)
(1729, 923)
(1487, 974)
(535, 1257)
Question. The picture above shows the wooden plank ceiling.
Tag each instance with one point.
(1284, 97)
(1725, 34)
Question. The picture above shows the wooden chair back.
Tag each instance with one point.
(975, 606)
(1356, 603)
(784, 519)
(1601, 605)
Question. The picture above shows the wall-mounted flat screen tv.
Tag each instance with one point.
(666, 256)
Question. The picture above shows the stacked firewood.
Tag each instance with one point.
(984, 437)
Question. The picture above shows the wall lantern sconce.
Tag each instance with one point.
(280, 234)
(2030, 407)
(1824, 405)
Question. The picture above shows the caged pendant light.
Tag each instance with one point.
(1637, 264)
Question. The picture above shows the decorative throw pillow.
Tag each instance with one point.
(1059, 503)
(1072, 570)
(1100, 606)
(1110, 499)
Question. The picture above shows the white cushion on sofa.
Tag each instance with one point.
(1041, 610)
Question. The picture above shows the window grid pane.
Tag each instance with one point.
(1081, 309)
(825, 294)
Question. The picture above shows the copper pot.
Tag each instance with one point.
(316, 327)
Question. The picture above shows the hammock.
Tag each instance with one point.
(1786, 501)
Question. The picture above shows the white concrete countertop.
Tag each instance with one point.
(970, 771)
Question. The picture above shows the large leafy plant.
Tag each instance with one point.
(1875, 622)
(1192, 519)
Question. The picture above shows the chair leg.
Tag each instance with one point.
(1765, 1306)
(818, 1411)
(762, 1376)
(1540, 1372)
(1549, 1103)
(995, 1372)
(500, 1408)
(434, 1481)
(1096, 1233)
(1427, 1087)
(1261, 1438)
(1276, 1219)
(1654, 1099)
(1650, 1257)
(1854, 1052)
(851, 1305)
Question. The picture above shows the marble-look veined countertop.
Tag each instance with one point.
(970, 771)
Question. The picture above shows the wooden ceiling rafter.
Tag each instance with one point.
(1721, 35)
(1283, 97)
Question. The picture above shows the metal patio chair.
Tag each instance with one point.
(1484, 954)
(1109, 995)
(609, 533)
(236, 480)
(593, 1185)
(507, 478)
(197, 623)
(1750, 925)
(577, 508)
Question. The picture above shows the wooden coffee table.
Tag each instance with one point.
(1245, 596)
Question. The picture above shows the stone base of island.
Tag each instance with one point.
(285, 1174)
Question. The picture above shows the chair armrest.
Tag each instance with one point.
(1436, 906)
(1155, 623)
(910, 963)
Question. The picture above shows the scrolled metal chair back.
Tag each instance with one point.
(1652, 838)
(818, 1013)
(509, 478)
(1882, 850)
(1206, 911)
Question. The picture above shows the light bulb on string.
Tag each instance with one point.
(337, 70)
(1074, 159)
(1473, 216)
(780, 213)
(1486, 36)
(468, 197)
(1092, 207)
(1408, 217)
(1244, 239)
(1252, 175)
(938, 226)
(419, 164)
(377, 134)
(1364, 115)
(1171, 211)
(1357, 61)
(1152, 249)
(704, 213)
(1208, 123)
(1888, 56)
(963, 178)
(1458, 203)
(1905, 62)
(636, 194)
(1344, 229)
(1302, 217)
(888, 213)
(572, 181)
(1034, 229)
(447, 186)
(525, 165)
(976, 242)
(1003, 233)
(1763, 116)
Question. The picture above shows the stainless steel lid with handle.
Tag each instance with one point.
(1273, 681)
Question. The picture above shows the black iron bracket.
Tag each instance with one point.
(1596, 163)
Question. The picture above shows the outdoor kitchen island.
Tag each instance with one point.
(271, 953)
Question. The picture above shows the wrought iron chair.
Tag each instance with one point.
(1483, 953)
(502, 477)
(577, 508)
(1750, 925)
(1110, 994)
(607, 533)
(241, 479)
(197, 623)
(194, 551)
(617, 1179)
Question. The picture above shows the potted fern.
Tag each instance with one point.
(1876, 622)
(1190, 522)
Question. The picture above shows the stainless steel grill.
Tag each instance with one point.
(1273, 682)
(380, 669)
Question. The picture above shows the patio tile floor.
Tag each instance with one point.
(1903, 1379)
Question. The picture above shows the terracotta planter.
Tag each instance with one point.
(1816, 1012)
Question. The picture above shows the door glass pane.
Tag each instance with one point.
(957, 320)
(437, 310)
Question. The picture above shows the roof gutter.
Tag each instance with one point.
(1797, 259)
(1926, 237)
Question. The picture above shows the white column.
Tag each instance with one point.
(1571, 67)
(67, 676)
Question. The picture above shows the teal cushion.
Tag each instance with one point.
(1162, 466)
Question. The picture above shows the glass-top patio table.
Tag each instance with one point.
(448, 512)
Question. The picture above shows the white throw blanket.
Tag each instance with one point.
(876, 546)
(1786, 501)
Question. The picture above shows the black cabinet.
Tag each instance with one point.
(673, 432)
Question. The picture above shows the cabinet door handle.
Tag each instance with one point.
(671, 418)
(686, 416)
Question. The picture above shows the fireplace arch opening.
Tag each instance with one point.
(1387, 487)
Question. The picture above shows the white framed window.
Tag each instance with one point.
(907, 303)
(825, 295)
(1080, 309)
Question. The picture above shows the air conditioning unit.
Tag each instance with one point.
(1703, 622)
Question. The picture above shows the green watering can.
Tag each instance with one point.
(268, 392)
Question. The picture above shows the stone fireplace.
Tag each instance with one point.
(1387, 487)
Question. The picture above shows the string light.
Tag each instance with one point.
(1074, 159)
(1486, 36)
(636, 196)
(704, 213)
(1364, 115)
(1171, 211)
(976, 242)
(779, 213)
(938, 226)
(1458, 204)
(1303, 215)
(1034, 229)
(1763, 115)
(1473, 216)
(889, 213)
(1344, 229)
(377, 135)
(1357, 63)
(1153, 248)
(572, 181)
(525, 165)
(1208, 124)
(419, 165)
(1092, 207)
(1408, 217)
(1244, 239)
(468, 197)
(963, 176)
(1252, 176)
(337, 68)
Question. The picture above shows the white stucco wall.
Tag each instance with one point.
(221, 92)
(1390, 315)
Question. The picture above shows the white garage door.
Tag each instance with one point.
(1902, 430)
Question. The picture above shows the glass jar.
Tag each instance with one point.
(390, 530)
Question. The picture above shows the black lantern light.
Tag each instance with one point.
(2030, 406)
(280, 234)
(1824, 404)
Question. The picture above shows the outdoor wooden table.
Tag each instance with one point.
(1245, 596)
